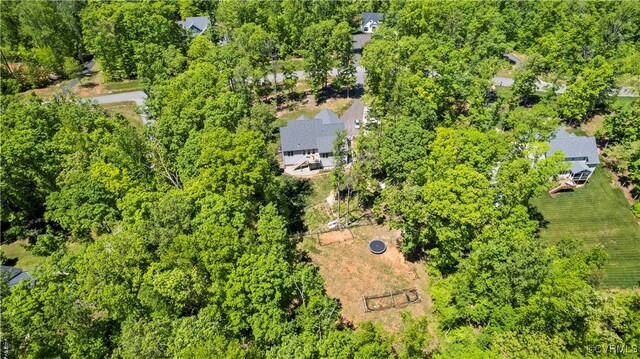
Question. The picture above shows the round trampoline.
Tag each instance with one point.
(377, 246)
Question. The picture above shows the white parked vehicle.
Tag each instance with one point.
(357, 122)
(333, 224)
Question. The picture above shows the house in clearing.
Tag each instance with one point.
(308, 143)
(370, 21)
(580, 151)
(197, 25)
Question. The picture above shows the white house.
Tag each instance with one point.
(370, 21)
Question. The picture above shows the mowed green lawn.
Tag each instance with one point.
(599, 214)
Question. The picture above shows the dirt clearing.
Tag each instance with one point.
(351, 271)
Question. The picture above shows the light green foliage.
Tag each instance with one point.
(286, 20)
(44, 37)
(131, 39)
(528, 123)
(230, 170)
(82, 204)
(254, 49)
(589, 91)
(46, 321)
(342, 45)
(112, 269)
(435, 82)
(525, 79)
(623, 126)
(561, 303)
(30, 161)
(48, 243)
(402, 146)
(622, 132)
(381, 59)
(261, 119)
(144, 338)
(415, 336)
(318, 61)
(372, 342)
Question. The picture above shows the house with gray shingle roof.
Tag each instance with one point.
(13, 275)
(580, 151)
(308, 143)
(197, 25)
(370, 21)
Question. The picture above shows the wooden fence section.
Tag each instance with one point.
(397, 299)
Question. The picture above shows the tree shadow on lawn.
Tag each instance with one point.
(538, 217)
(330, 92)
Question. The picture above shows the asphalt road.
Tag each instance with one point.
(135, 96)
(87, 68)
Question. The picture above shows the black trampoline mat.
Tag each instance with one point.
(377, 246)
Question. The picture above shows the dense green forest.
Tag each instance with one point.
(185, 225)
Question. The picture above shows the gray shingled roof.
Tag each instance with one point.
(196, 24)
(371, 16)
(516, 61)
(574, 146)
(327, 116)
(579, 166)
(305, 134)
(13, 275)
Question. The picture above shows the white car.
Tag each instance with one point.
(357, 122)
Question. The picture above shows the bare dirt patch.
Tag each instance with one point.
(351, 271)
(333, 237)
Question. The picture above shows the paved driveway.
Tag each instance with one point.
(135, 96)
(355, 111)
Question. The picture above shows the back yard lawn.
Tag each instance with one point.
(599, 214)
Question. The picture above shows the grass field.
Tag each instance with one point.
(339, 106)
(26, 260)
(124, 86)
(127, 109)
(599, 214)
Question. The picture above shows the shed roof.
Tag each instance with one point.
(317, 133)
(574, 146)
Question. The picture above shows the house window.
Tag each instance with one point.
(325, 155)
(366, 29)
